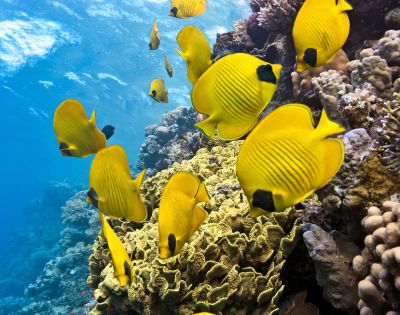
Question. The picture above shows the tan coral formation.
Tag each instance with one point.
(231, 265)
(379, 261)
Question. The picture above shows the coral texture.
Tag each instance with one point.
(174, 139)
(231, 265)
(379, 261)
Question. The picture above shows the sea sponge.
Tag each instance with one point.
(232, 264)
(379, 262)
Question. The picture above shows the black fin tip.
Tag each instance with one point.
(108, 131)
(310, 57)
(263, 199)
(266, 74)
(172, 244)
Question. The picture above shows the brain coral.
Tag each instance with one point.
(231, 265)
(379, 261)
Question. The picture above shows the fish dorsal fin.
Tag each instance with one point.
(155, 28)
(182, 54)
(199, 215)
(333, 153)
(92, 120)
(184, 182)
(202, 194)
(137, 182)
(294, 116)
(343, 5)
(327, 127)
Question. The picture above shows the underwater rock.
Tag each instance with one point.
(332, 254)
(60, 287)
(174, 139)
(392, 19)
(232, 264)
(378, 264)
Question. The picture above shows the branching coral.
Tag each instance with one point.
(379, 261)
(278, 15)
(231, 265)
(173, 140)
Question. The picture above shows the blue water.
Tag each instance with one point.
(94, 51)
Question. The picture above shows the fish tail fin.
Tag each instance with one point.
(327, 127)
(207, 126)
(137, 182)
(343, 5)
(202, 194)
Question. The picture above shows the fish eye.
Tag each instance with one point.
(154, 93)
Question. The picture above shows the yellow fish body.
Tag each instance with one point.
(187, 8)
(179, 216)
(196, 52)
(233, 92)
(154, 37)
(320, 30)
(285, 158)
(122, 264)
(158, 91)
(168, 67)
(77, 135)
(112, 189)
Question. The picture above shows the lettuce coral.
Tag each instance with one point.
(231, 265)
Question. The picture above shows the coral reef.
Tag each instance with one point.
(174, 139)
(61, 287)
(390, 134)
(231, 265)
(379, 261)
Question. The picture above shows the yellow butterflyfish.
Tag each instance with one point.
(196, 52)
(320, 30)
(112, 189)
(158, 91)
(122, 264)
(233, 92)
(285, 158)
(77, 135)
(187, 8)
(154, 36)
(168, 67)
(179, 215)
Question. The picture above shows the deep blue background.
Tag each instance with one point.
(94, 51)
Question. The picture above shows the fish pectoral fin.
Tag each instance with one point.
(202, 194)
(108, 131)
(207, 126)
(343, 5)
(199, 215)
(233, 131)
(333, 150)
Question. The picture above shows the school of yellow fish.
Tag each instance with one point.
(283, 160)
